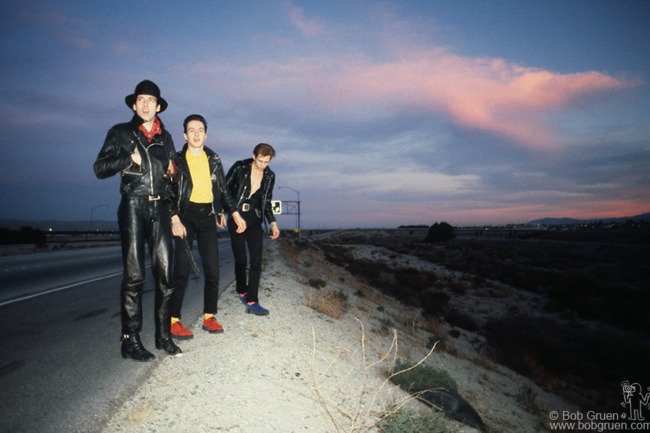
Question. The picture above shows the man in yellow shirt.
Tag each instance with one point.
(201, 198)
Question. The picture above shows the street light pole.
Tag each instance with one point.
(297, 192)
(92, 210)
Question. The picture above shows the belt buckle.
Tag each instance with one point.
(153, 197)
(245, 207)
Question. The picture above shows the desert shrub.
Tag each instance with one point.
(434, 326)
(461, 320)
(405, 420)
(412, 278)
(317, 283)
(568, 359)
(604, 282)
(385, 325)
(526, 398)
(434, 303)
(25, 235)
(458, 287)
(440, 341)
(440, 232)
(628, 308)
(407, 285)
(330, 302)
(593, 299)
(336, 254)
(367, 405)
(421, 377)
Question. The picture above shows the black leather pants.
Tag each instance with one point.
(142, 221)
(253, 238)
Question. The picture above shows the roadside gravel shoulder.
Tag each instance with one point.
(298, 370)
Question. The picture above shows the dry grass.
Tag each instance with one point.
(446, 323)
(328, 301)
(355, 402)
(140, 414)
(434, 326)
(505, 290)
(371, 402)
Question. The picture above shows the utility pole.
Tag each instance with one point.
(298, 209)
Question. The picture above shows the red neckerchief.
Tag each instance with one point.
(155, 129)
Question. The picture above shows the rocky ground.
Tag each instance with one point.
(305, 368)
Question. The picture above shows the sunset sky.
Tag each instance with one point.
(383, 113)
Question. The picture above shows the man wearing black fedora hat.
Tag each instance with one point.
(143, 153)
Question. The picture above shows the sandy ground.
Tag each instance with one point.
(298, 370)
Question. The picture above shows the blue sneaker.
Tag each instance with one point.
(242, 298)
(256, 309)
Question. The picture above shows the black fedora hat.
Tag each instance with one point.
(146, 87)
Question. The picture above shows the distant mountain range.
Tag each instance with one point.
(104, 225)
(572, 221)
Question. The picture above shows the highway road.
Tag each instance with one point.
(60, 363)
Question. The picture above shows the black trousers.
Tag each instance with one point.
(201, 226)
(253, 238)
(145, 222)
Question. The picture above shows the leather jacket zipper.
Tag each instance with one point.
(150, 171)
(146, 151)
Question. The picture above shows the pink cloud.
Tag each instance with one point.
(489, 95)
(515, 102)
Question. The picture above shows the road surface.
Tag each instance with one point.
(60, 363)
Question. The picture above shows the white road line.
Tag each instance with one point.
(58, 289)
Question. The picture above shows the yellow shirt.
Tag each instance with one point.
(201, 181)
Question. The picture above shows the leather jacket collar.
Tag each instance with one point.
(136, 121)
(222, 199)
(238, 184)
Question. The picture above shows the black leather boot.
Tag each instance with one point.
(168, 345)
(163, 320)
(132, 348)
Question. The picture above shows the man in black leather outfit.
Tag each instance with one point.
(250, 182)
(143, 153)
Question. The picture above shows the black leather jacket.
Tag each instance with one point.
(148, 179)
(238, 183)
(183, 189)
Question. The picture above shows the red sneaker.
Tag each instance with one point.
(180, 332)
(212, 326)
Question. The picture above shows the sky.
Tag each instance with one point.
(383, 113)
